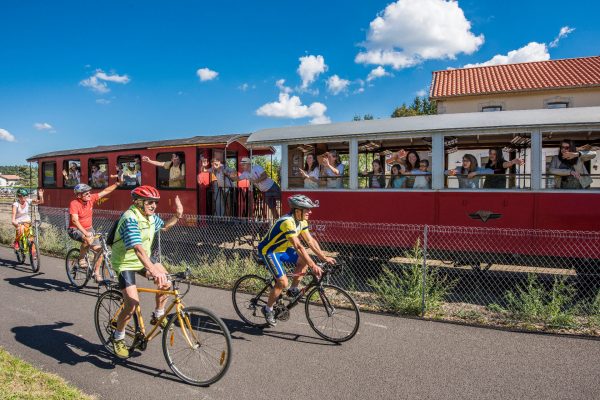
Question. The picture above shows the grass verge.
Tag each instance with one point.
(20, 380)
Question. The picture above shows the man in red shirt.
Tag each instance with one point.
(80, 225)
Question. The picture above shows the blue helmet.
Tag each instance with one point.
(81, 188)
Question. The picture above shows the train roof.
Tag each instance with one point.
(193, 141)
(545, 119)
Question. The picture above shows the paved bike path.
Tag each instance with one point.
(48, 324)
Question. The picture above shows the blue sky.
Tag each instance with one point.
(79, 73)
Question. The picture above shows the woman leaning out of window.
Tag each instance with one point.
(469, 174)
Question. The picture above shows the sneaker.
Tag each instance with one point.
(82, 262)
(269, 316)
(293, 292)
(163, 323)
(120, 348)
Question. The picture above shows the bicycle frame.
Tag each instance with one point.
(141, 338)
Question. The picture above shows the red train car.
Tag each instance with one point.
(99, 166)
(529, 192)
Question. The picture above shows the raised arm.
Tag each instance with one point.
(176, 217)
(109, 189)
(153, 162)
(40, 199)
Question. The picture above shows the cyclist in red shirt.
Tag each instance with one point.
(80, 224)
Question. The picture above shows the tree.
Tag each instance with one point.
(419, 106)
(28, 177)
(272, 168)
(366, 117)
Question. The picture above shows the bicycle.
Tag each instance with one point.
(79, 276)
(322, 303)
(191, 333)
(29, 244)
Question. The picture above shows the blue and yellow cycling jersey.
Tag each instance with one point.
(276, 240)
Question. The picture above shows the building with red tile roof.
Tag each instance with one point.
(573, 82)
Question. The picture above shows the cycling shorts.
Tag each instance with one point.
(77, 235)
(274, 261)
(127, 278)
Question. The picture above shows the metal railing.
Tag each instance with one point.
(532, 279)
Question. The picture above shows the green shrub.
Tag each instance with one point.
(220, 271)
(533, 303)
(401, 291)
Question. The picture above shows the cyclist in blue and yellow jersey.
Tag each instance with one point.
(282, 245)
(131, 251)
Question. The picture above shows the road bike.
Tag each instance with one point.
(331, 312)
(80, 275)
(29, 245)
(196, 343)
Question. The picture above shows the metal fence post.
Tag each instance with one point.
(424, 252)
(66, 231)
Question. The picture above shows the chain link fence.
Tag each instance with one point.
(526, 279)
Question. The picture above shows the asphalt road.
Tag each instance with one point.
(46, 323)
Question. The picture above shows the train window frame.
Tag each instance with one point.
(516, 177)
(556, 105)
(120, 162)
(163, 174)
(95, 162)
(551, 143)
(43, 170)
(296, 154)
(66, 165)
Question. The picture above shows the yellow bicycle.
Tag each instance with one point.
(196, 343)
(29, 244)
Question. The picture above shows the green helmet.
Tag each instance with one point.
(22, 192)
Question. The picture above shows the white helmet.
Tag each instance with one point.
(302, 202)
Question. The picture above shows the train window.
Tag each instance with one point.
(129, 171)
(488, 161)
(98, 172)
(558, 104)
(171, 175)
(571, 161)
(318, 166)
(401, 163)
(71, 173)
(49, 174)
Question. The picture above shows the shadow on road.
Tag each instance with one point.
(36, 283)
(71, 349)
(64, 347)
(236, 326)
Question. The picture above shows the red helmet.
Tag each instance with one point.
(145, 192)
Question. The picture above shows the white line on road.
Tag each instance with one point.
(376, 325)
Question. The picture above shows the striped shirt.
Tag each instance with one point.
(277, 239)
(134, 228)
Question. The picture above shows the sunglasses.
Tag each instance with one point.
(86, 194)
(150, 202)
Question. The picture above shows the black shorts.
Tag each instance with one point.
(127, 278)
(77, 235)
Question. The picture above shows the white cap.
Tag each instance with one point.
(246, 160)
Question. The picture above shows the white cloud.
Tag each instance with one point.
(246, 86)
(311, 67)
(337, 85)
(103, 101)
(97, 82)
(6, 135)
(206, 74)
(564, 32)
(42, 126)
(292, 107)
(421, 93)
(531, 52)
(378, 72)
(409, 32)
(282, 88)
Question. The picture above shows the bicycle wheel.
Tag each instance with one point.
(20, 256)
(332, 313)
(34, 257)
(78, 276)
(105, 318)
(249, 294)
(197, 346)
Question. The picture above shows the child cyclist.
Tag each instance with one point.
(21, 214)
